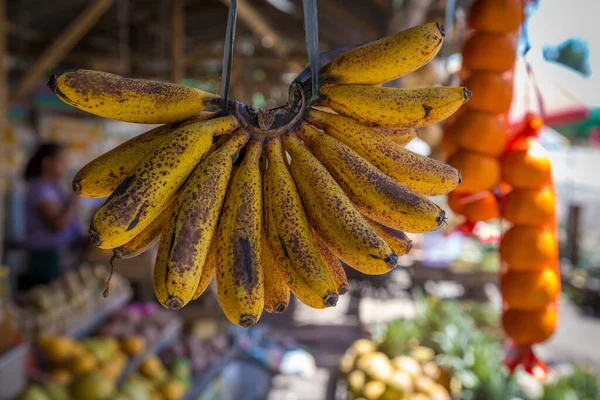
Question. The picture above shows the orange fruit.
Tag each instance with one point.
(528, 247)
(491, 92)
(495, 52)
(529, 206)
(496, 15)
(449, 147)
(530, 290)
(481, 132)
(479, 172)
(530, 327)
(527, 168)
(484, 209)
(455, 203)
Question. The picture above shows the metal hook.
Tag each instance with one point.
(228, 55)
(311, 26)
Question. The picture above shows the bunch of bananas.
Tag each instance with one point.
(270, 201)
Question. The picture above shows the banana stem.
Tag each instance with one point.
(311, 24)
(228, 55)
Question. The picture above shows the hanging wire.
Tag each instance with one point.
(311, 26)
(228, 54)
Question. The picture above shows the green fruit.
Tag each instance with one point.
(363, 346)
(377, 366)
(135, 390)
(356, 382)
(408, 365)
(93, 386)
(58, 392)
(373, 390)
(398, 385)
(35, 392)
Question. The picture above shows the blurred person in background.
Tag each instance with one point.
(52, 223)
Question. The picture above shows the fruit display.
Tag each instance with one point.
(138, 326)
(63, 304)
(269, 201)
(530, 281)
(200, 352)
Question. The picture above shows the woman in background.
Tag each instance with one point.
(51, 212)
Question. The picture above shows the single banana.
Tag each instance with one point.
(130, 100)
(420, 174)
(146, 238)
(187, 237)
(400, 136)
(333, 215)
(290, 235)
(395, 108)
(375, 194)
(397, 240)
(208, 270)
(239, 264)
(101, 176)
(277, 292)
(153, 182)
(336, 270)
(386, 59)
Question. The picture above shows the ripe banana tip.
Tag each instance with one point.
(467, 93)
(343, 289)
(53, 83)
(246, 321)
(95, 237)
(441, 218)
(441, 28)
(391, 261)
(330, 299)
(409, 245)
(460, 179)
(76, 187)
(281, 307)
(174, 303)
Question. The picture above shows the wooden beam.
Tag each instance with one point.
(177, 41)
(61, 46)
(349, 18)
(260, 27)
(3, 117)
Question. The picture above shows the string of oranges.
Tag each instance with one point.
(507, 176)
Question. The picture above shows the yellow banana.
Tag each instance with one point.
(146, 238)
(401, 136)
(239, 265)
(101, 176)
(375, 194)
(130, 100)
(208, 270)
(336, 270)
(277, 292)
(420, 174)
(290, 235)
(333, 215)
(187, 237)
(150, 186)
(386, 59)
(395, 108)
(397, 240)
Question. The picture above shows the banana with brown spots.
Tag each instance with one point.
(186, 239)
(130, 100)
(420, 174)
(395, 108)
(397, 240)
(290, 235)
(239, 262)
(336, 270)
(375, 194)
(386, 59)
(334, 217)
(208, 270)
(146, 238)
(277, 292)
(153, 183)
(400, 136)
(101, 176)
